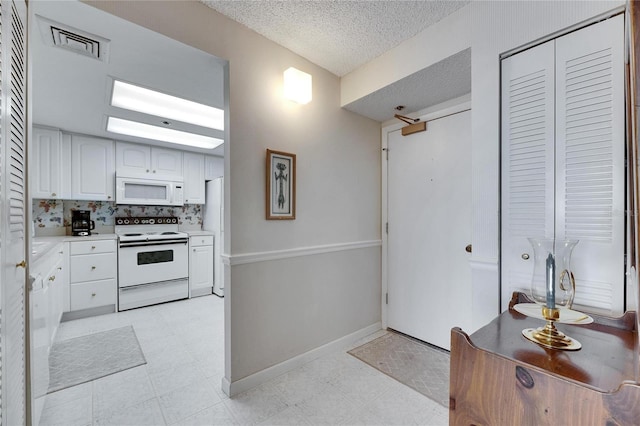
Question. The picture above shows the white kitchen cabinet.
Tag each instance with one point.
(93, 276)
(50, 171)
(48, 278)
(132, 158)
(213, 167)
(563, 161)
(93, 168)
(200, 265)
(193, 178)
(55, 281)
(50, 269)
(166, 162)
(140, 159)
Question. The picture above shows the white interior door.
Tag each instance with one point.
(13, 164)
(429, 215)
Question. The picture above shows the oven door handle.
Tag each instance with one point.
(153, 243)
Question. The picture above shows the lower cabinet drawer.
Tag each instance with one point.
(93, 267)
(93, 294)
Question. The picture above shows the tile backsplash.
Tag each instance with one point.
(57, 213)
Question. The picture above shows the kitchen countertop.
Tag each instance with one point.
(196, 233)
(41, 245)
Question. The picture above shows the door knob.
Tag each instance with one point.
(468, 248)
(525, 256)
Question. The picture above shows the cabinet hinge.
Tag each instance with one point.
(386, 297)
(386, 150)
(386, 227)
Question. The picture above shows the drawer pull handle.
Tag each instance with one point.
(53, 194)
(93, 247)
(93, 295)
(525, 256)
(52, 278)
(93, 268)
(59, 268)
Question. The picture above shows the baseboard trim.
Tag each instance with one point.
(246, 258)
(256, 379)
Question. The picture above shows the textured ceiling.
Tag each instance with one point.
(341, 35)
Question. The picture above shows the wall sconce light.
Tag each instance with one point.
(297, 86)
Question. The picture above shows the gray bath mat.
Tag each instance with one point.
(411, 362)
(86, 358)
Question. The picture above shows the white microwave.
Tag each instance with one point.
(151, 191)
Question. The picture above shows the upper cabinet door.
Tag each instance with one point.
(132, 158)
(136, 159)
(50, 172)
(590, 159)
(193, 178)
(166, 162)
(528, 115)
(213, 167)
(93, 171)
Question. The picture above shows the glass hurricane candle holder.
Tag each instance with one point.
(553, 284)
(553, 287)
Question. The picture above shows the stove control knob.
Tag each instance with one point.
(126, 221)
(136, 221)
(151, 221)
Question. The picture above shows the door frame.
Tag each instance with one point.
(439, 111)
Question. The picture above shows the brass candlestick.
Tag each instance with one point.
(549, 336)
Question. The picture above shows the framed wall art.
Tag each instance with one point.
(281, 185)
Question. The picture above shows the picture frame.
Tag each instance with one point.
(280, 185)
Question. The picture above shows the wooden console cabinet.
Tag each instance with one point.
(500, 378)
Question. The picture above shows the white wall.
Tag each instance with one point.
(283, 304)
(499, 26)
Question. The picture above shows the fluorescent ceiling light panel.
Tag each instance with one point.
(136, 98)
(147, 131)
(297, 86)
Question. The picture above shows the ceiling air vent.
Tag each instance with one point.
(76, 42)
(69, 38)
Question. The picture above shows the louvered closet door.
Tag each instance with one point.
(563, 160)
(590, 169)
(527, 162)
(12, 209)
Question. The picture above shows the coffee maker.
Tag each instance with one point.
(81, 223)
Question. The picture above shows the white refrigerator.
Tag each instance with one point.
(213, 221)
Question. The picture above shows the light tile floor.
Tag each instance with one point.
(181, 382)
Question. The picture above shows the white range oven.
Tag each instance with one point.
(153, 261)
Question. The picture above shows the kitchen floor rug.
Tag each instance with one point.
(411, 362)
(86, 358)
